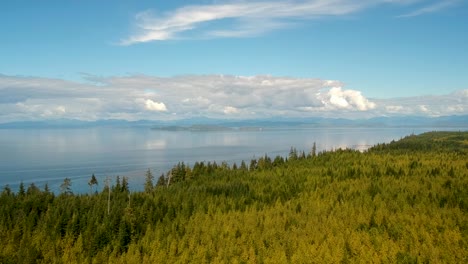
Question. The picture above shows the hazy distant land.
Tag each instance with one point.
(210, 124)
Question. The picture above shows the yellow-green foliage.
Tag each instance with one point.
(397, 203)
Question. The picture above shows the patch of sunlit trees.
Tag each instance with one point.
(402, 202)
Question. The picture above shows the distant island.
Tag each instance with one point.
(193, 128)
(210, 124)
(206, 128)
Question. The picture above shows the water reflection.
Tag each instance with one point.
(156, 144)
(48, 156)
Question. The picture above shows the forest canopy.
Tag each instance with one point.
(404, 201)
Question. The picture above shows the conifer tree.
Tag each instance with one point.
(21, 190)
(93, 181)
(161, 181)
(46, 188)
(243, 166)
(124, 187)
(32, 189)
(117, 186)
(253, 165)
(313, 152)
(293, 154)
(65, 187)
(149, 181)
(6, 190)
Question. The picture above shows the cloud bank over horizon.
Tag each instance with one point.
(142, 97)
(237, 19)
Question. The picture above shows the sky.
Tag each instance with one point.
(164, 60)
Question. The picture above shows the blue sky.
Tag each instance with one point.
(377, 53)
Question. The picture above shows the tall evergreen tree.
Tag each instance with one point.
(124, 187)
(243, 166)
(117, 186)
(149, 181)
(65, 187)
(32, 189)
(21, 190)
(93, 181)
(253, 165)
(161, 181)
(313, 152)
(6, 190)
(293, 154)
(46, 188)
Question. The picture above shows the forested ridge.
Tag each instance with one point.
(401, 202)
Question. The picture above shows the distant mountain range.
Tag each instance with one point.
(208, 124)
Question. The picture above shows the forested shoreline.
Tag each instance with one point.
(404, 201)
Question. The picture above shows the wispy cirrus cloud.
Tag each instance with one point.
(216, 96)
(234, 19)
(252, 18)
(432, 8)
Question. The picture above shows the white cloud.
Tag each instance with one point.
(457, 108)
(252, 18)
(432, 8)
(336, 98)
(346, 99)
(395, 109)
(423, 108)
(462, 94)
(245, 18)
(215, 96)
(155, 106)
(230, 110)
(450, 104)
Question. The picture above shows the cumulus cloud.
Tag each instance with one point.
(216, 96)
(336, 97)
(155, 106)
(230, 110)
(251, 18)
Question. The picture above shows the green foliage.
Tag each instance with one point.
(161, 181)
(93, 181)
(403, 202)
(65, 187)
(430, 141)
(149, 178)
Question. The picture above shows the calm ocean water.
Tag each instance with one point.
(43, 156)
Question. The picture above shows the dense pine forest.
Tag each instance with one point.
(400, 202)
